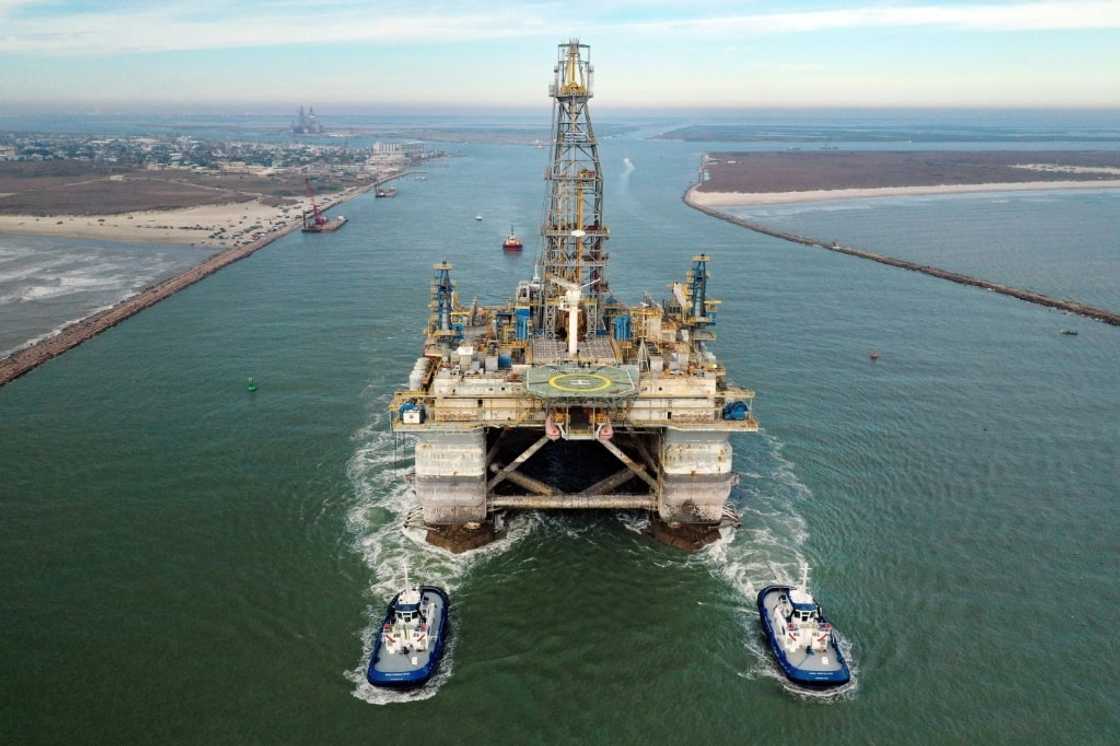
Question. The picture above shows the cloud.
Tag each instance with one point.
(1038, 16)
(185, 28)
(53, 28)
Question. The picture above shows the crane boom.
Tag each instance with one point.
(319, 219)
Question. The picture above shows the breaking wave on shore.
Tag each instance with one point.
(47, 284)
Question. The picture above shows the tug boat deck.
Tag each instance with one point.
(408, 648)
(801, 638)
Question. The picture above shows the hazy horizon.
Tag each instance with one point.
(705, 54)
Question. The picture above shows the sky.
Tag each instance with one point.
(675, 54)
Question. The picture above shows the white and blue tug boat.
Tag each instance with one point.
(410, 644)
(801, 638)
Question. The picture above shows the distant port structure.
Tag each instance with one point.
(307, 123)
(564, 397)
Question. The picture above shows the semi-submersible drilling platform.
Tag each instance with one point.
(565, 397)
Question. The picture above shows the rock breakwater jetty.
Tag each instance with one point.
(1030, 296)
(28, 358)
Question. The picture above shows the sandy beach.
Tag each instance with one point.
(692, 195)
(746, 199)
(264, 225)
(219, 226)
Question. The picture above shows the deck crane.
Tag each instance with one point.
(319, 222)
(319, 219)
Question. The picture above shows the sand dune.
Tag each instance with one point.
(219, 225)
(743, 199)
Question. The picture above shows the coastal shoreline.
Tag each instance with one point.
(239, 223)
(755, 199)
(1030, 296)
(30, 356)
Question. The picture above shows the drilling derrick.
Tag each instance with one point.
(573, 229)
(629, 405)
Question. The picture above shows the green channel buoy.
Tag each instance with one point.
(252, 385)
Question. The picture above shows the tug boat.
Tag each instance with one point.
(801, 638)
(409, 646)
(512, 242)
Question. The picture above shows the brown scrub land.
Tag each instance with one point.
(794, 176)
(28, 358)
(78, 199)
(746, 179)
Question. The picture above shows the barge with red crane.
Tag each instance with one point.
(316, 222)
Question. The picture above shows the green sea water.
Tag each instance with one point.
(182, 561)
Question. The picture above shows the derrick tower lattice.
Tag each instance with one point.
(573, 229)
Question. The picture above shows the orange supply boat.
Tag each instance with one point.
(512, 242)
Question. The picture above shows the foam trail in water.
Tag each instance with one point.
(768, 548)
(379, 471)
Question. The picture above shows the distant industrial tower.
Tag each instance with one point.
(307, 123)
(572, 262)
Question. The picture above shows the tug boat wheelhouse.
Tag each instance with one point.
(409, 646)
(801, 638)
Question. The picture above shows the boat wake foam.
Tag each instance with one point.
(767, 548)
(378, 472)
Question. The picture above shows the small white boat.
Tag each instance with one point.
(478, 217)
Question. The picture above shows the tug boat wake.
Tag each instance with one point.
(378, 472)
(767, 550)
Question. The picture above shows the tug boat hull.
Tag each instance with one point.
(408, 671)
(819, 670)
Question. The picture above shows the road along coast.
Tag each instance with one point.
(28, 358)
(1081, 309)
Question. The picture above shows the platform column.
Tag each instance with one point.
(696, 476)
(451, 476)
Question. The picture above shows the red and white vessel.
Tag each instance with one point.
(512, 242)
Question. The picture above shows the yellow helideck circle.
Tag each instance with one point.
(579, 383)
